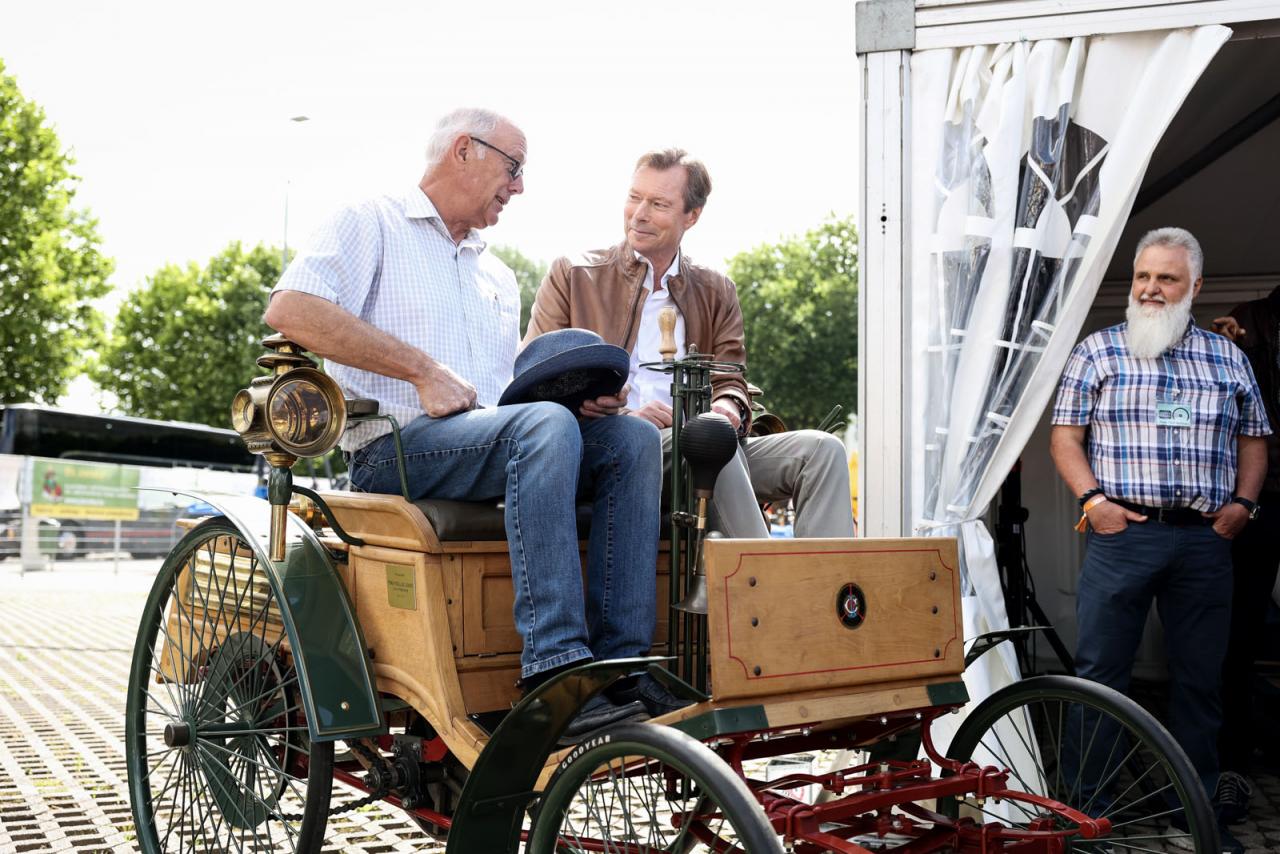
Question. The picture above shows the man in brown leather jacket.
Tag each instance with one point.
(618, 293)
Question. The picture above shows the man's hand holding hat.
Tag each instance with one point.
(605, 405)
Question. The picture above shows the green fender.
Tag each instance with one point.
(500, 787)
(334, 673)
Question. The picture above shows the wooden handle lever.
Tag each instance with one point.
(667, 326)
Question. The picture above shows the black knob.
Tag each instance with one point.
(708, 442)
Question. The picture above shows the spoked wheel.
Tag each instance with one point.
(1095, 750)
(643, 789)
(216, 736)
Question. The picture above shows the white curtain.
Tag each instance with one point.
(1026, 159)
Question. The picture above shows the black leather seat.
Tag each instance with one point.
(455, 521)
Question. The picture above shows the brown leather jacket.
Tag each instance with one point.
(603, 291)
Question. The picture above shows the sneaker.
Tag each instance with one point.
(1231, 798)
(596, 714)
(655, 697)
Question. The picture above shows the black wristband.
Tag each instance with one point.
(1097, 490)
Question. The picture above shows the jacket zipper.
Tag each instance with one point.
(635, 311)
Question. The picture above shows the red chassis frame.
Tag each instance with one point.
(874, 790)
(879, 787)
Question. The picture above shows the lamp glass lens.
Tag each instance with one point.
(299, 413)
(242, 411)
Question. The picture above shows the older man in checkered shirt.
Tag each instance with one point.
(1158, 429)
(401, 299)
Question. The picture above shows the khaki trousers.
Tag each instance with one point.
(808, 467)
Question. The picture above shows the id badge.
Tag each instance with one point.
(1173, 415)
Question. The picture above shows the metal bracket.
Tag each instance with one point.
(675, 684)
(984, 643)
(328, 515)
(501, 784)
(884, 25)
(395, 432)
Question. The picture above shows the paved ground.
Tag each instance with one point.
(65, 641)
(66, 637)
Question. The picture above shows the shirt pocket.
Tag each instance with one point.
(1213, 404)
(500, 306)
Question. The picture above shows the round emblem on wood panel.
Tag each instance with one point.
(851, 606)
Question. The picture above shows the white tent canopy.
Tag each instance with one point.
(970, 303)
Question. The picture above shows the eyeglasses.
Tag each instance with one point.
(515, 170)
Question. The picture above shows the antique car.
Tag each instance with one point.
(366, 640)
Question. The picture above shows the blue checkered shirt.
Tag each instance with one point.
(1115, 394)
(391, 262)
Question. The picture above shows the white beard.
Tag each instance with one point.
(1151, 330)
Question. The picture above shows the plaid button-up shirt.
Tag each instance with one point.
(392, 263)
(1115, 395)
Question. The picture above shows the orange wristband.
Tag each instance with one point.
(1088, 505)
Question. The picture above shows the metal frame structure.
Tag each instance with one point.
(887, 33)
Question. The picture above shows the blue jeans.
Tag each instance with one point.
(1187, 570)
(540, 457)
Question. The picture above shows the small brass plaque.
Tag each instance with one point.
(401, 588)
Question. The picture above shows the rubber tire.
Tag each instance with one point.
(319, 788)
(688, 755)
(1121, 709)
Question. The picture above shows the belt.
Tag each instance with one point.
(1168, 515)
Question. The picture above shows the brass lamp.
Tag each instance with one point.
(295, 411)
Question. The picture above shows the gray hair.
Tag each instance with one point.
(1171, 236)
(471, 121)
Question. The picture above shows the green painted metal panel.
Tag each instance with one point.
(948, 693)
(725, 722)
(329, 650)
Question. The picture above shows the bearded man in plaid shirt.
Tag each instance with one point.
(1158, 429)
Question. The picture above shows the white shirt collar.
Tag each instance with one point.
(673, 270)
(418, 205)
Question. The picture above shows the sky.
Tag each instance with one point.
(179, 114)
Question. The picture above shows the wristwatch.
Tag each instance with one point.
(1251, 506)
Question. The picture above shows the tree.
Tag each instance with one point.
(529, 275)
(800, 311)
(185, 342)
(50, 266)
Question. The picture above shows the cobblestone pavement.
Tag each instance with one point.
(65, 642)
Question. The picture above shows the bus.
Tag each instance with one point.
(36, 442)
(40, 431)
